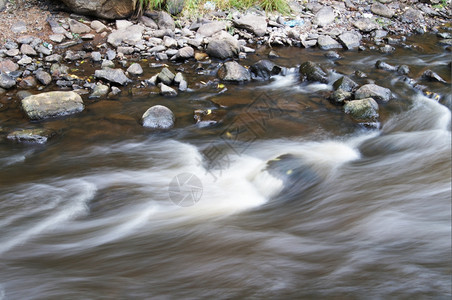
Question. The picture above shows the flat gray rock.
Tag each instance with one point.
(39, 136)
(19, 27)
(325, 42)
(57, 38)
(382, 10)
(350, 40)
(373, 91)
(211, 28)
(252, 23)
(131, 35)
(365, 25)
(98, 26)
(52, 104)
(28, 50)
(112, 75)
(77, 27)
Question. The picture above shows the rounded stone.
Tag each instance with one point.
(158, 117)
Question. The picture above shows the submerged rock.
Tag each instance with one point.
(432, 76)
(99, 91)
(158, 117)
(363, 110)
(385, 66)
(52, 104)
(39, 136)
(233, 71)
(373, 91)
(312, 72)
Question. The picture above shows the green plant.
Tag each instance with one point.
(141, 5)
(441, 5)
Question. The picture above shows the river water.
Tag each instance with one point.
(286, 198)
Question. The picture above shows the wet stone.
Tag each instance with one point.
(158, 117)
(167, 90)
(39, 136)
(135, 69)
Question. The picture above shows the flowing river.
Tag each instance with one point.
(285, 198)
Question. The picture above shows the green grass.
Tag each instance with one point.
(196, 7)
(443, 4)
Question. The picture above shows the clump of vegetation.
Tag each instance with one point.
(197, 6)
(443, 4)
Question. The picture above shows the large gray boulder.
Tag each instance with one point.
(363, 110)
(233, 71)
(374, 91)
(158, 117)
(107, 9)
(112, 75)
(252, 23)
(223, 45)
(52, 104)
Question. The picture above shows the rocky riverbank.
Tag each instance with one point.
(42, 58)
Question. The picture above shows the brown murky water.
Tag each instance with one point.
(345, 212)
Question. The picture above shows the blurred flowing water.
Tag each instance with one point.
(301, 202)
